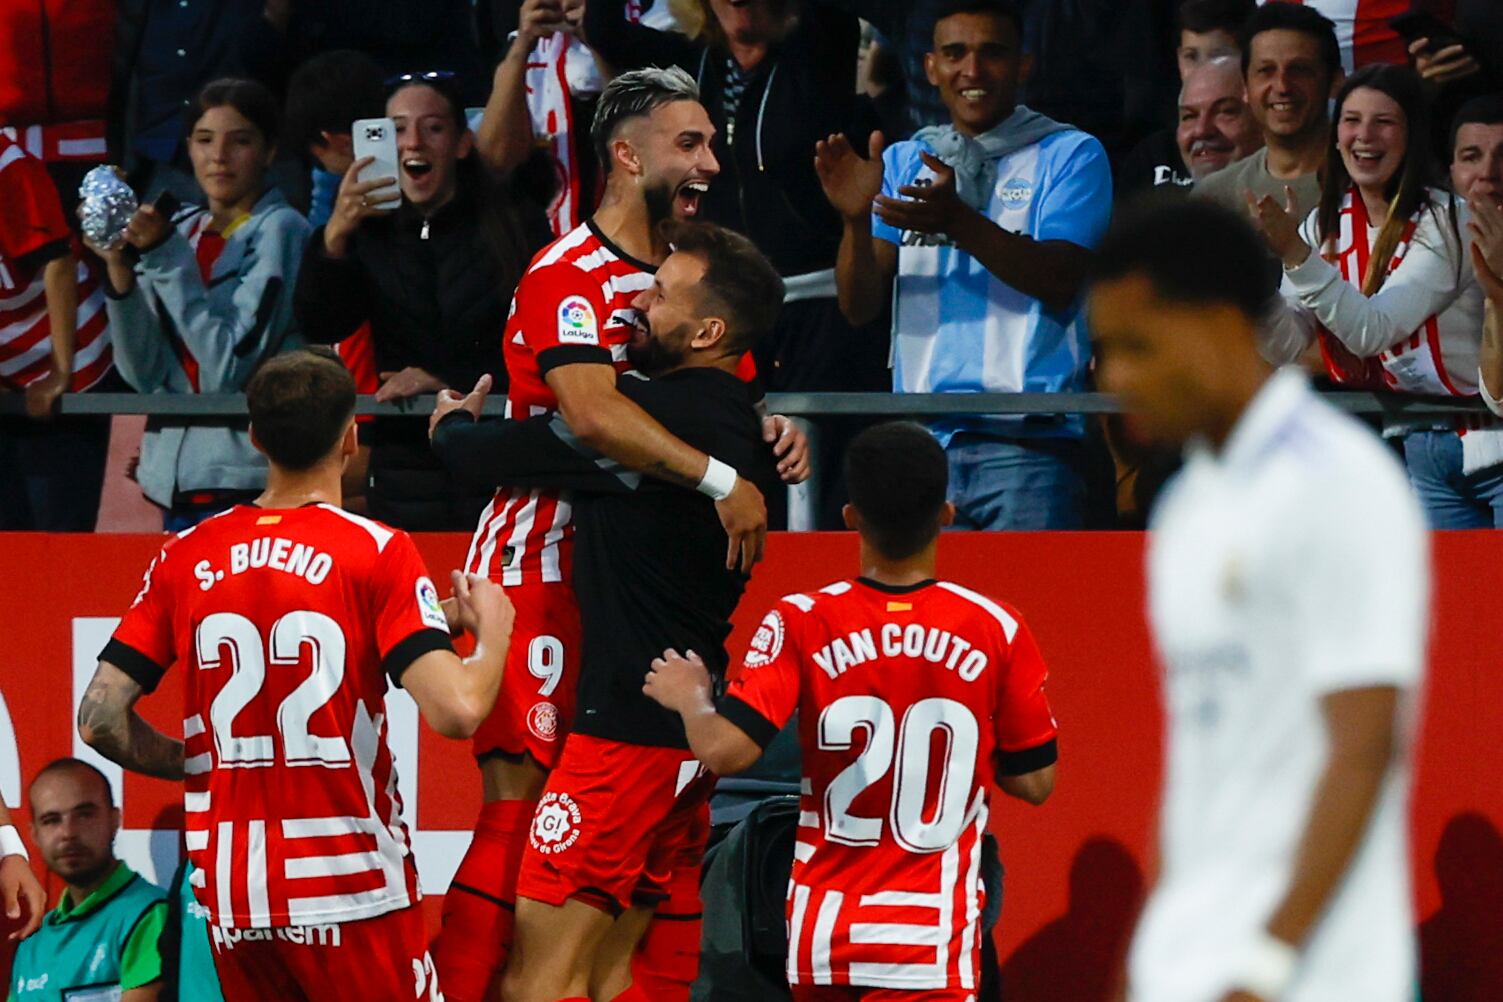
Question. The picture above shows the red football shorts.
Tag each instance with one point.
(859, 993)
(385, 957)
(667, 960)
(613, 824)
(536, 703)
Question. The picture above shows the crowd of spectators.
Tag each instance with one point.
(928, 176)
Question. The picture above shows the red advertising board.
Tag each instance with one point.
(1077, 867)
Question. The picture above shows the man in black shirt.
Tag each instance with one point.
(625, 802)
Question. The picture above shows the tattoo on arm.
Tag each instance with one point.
(109, 723)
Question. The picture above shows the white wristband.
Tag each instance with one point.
(1267, 967)
(11, 844)
(719, 480)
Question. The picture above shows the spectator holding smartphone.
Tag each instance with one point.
(1377, 276)
(197, 302)
(432, 276)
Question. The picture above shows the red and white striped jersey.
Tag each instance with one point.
(1362, 30)
(32, 233)
(288, 623)
(911, 701)
(573, 305)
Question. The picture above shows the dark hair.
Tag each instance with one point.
(443, 84)
(328, 93)
(1406, 189)
(300, 403)
(1205, 16)
(251, 99)
(1280, 15)
(1003, 9)
(636, 94)
(1193, 251)
(1486, 109)
(61, 764)
(897, 476)
(738, 277)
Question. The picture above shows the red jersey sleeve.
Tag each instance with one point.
(143, 645)
(766, 692)
(1025, 727)
(33, 214)
(561, 313)
(409, 622)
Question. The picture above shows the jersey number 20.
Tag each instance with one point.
(909, 743)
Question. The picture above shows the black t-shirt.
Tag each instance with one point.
(649, 556)
(1154, 163)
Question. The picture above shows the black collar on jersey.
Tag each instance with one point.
(895, 589)
(651, 269)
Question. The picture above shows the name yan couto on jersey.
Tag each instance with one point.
(279, 554)
(911, 641)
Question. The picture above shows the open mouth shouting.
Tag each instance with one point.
(686, 199)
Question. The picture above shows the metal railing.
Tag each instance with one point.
(194, 408)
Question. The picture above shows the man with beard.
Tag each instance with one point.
(101, 939)
(623, 810)
(572, 317)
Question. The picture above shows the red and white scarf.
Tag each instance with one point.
(557, 66)
(1412, 365)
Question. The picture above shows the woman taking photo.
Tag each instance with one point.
(1378, 278)
(197, 306)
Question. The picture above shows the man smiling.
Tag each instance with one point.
(1292, 65)
(999, 209)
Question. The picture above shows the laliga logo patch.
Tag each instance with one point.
(542, 721)
(555, 826)
(767, 642)
(429, 607)
(576, 322)
(1016, 193)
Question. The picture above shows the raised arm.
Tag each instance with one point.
(864, 264)
(505, 137)
(627, 46)
(108, 723)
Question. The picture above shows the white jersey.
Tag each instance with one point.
(1292, 565)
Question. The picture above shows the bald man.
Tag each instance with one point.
(1216, 127)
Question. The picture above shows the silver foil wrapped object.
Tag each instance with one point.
(108, 204)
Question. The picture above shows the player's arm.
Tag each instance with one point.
(682, 684)
(455, 695)
(1361, 732)
(611, 424)
(19, 889)
(108, 723)
(1034, 787)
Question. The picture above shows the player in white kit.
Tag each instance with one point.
(1288, 594)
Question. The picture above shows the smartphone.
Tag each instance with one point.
(377, 137)
(1416, 24)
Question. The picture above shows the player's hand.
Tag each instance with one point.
(408, 382)
(679, 683)
(1443, 66)
(20, 893)
(926, 208)
(356, 201)
(450, 401)
(790, 445)
(481, 606)
(42, 396)
(1279, 225)
(850, 181)
(743, 515)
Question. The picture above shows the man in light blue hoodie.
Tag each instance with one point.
(987, 225)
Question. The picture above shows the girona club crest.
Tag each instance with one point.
(542, 721)
(555, 825)
(767, 643)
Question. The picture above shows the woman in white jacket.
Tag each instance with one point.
(1378, 278)
(206, 300)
